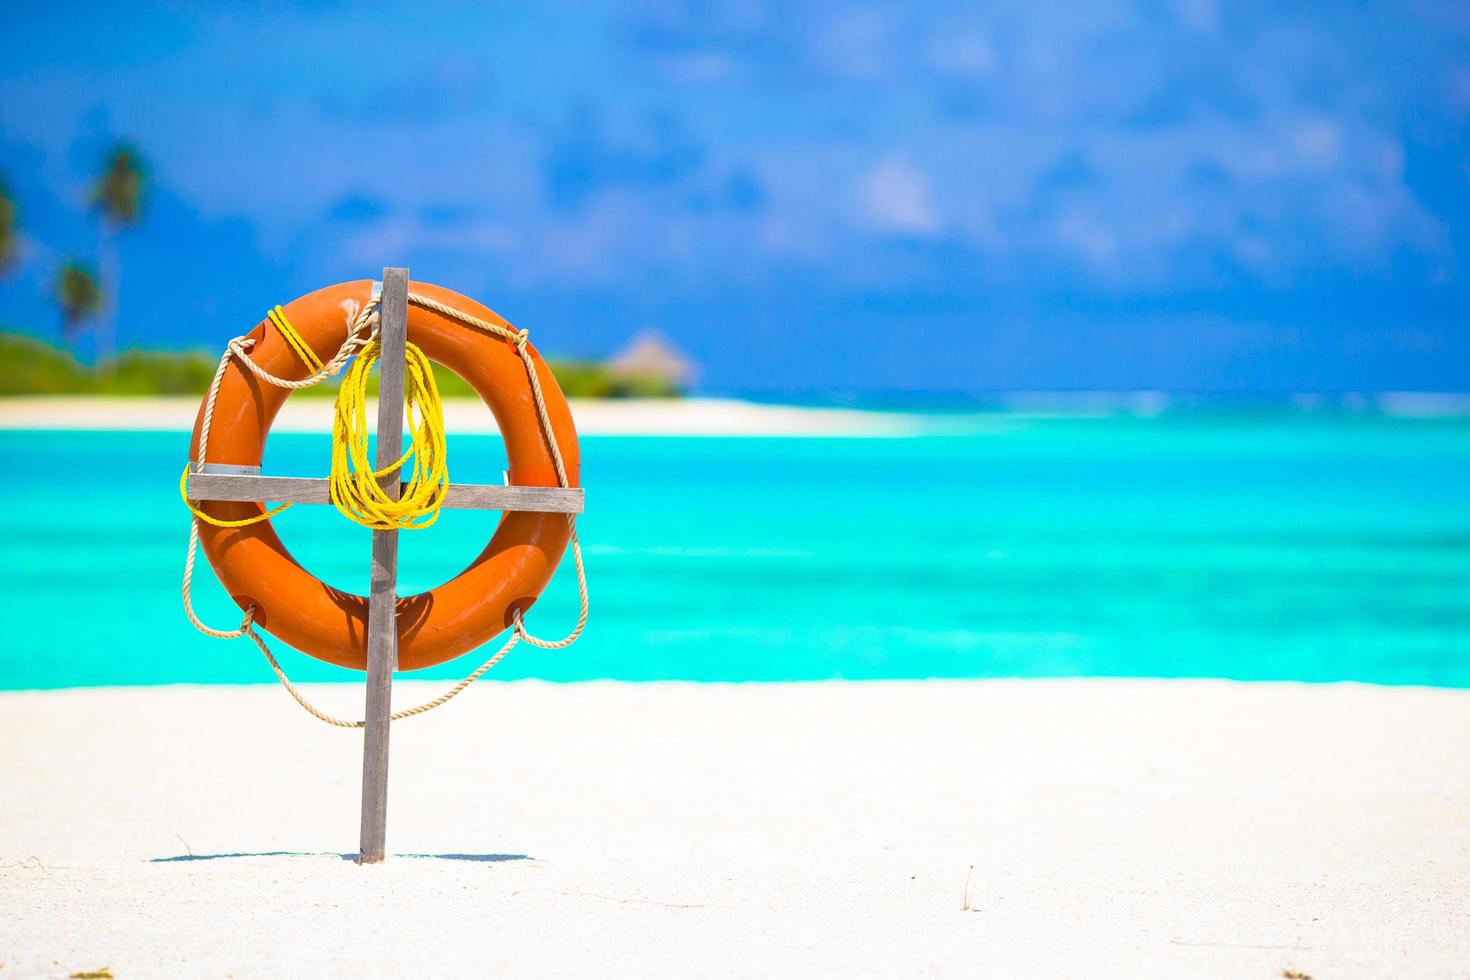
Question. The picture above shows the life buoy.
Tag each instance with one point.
(257, 570)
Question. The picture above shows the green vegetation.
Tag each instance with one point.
(151, 372)
(33, 367)
(593, 379)
(29, 366)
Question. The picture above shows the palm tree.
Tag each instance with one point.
(79, 296)
(9, 230)
(117, 196)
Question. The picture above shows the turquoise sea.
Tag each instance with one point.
(1284, 547)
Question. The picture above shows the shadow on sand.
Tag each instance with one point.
(483, 858)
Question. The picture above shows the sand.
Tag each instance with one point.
(1114, 828)
(652, 417)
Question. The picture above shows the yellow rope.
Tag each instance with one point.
(184, 492)
(356, 492)
(298, 343)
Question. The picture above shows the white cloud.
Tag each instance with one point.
(1104, 142)
(1092, 239)
(897, 197)
(964, 54)
(698, 67)
(857, 44)
(1317, 142)
(1201, 15)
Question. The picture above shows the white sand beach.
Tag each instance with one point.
(997, 828)
(623, 417)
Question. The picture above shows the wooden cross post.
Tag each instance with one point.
(382, 635)
(241, 483)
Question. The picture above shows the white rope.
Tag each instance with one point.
(521, 340)
(316, 712)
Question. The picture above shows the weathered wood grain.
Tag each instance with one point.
(382, 636)
(312, 490)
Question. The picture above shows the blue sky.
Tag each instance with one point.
(808, 198)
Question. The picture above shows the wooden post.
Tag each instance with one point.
(382, 636)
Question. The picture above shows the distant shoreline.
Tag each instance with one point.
(707, 416)
(594, 417)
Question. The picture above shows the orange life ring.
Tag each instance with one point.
(508, 575)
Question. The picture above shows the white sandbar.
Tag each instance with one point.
(634, 417)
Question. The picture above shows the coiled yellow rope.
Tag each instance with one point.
(356, 492)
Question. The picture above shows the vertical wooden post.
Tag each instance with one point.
(382, 636)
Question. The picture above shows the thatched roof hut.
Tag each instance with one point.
(650, 356)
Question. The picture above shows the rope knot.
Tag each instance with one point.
(240, 345)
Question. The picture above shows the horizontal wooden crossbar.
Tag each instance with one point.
(312, 490)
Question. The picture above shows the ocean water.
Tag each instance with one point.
(1275, 547)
